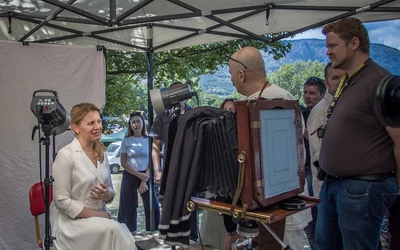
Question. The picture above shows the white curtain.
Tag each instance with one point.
(78, 75)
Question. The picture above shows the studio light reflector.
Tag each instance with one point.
(49, 111)
(166, 98)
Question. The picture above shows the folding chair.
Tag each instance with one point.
(37, 205)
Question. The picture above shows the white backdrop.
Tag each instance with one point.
(78, 75)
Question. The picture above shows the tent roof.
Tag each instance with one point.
(151, 26)
(119, 135)
(107, 138)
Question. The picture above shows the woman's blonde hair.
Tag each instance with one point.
(77, 113)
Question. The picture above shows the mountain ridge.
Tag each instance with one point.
(220, 83)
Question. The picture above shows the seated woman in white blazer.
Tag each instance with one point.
(82, 187)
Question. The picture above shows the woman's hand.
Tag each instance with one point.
(88, 212)
(143, 177)
(100, 192)
(143, 187)
(104, 214)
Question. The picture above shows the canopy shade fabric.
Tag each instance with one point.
(151, 26)
(107, 138)
(120, 135)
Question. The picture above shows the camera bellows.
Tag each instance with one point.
(219, 165)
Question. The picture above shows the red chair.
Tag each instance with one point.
(36, 200)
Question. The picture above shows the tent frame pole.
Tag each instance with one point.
(149, 55)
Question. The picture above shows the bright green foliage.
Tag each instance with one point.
(126, 88)
(292, 76)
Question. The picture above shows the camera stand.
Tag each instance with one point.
(247, 229)
(48, 180)
(272, 218)
(276, 237)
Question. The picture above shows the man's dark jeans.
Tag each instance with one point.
(354, 208)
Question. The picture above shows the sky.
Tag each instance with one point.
(386, 32)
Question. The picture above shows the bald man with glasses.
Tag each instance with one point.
(248, 75)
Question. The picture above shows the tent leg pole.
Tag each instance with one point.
(149, 55)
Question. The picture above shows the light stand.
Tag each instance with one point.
(53, 120)
(48, 180)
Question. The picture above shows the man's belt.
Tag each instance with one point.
(366, 177)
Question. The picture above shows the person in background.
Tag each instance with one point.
(359, 151)
(228, 104)
(316, 120)
(247, 70)
(159, 133)
(82, 186)
(135, 161)
(313, 91)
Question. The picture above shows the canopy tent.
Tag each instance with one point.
(108, 139)
(119, 136)
(143, 26)
(152, 26)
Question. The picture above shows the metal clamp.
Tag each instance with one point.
(242, 166)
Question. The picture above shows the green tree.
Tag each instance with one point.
(292, 76)
(210, 99)
(126, 88)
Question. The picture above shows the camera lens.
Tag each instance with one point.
(388, 97)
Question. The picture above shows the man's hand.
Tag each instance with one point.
(157, 176)
(155, 153)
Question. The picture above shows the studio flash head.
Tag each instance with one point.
(166, 98)
(49, 111)
(388, 98)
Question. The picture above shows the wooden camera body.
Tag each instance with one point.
(270, 137)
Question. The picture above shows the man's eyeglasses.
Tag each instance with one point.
(315, 79)
(230, 58)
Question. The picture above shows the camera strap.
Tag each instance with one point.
(339, 91)
(342, 85)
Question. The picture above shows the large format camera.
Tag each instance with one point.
(388, 97)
